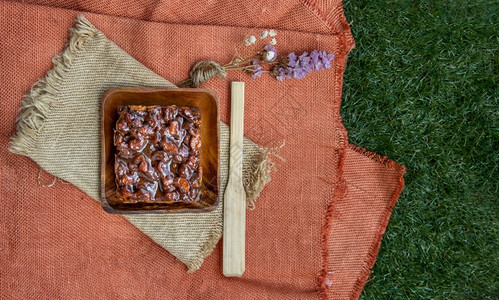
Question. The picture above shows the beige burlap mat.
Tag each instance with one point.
(59, 129)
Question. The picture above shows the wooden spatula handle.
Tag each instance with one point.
(236, 129)
(235, 196)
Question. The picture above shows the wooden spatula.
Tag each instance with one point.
(235, 196)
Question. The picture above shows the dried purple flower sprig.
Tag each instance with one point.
(266, 60)
(299, 67)
(291, 66)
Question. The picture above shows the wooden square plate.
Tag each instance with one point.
(204, 99)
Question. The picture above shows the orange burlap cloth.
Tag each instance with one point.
(318, 224)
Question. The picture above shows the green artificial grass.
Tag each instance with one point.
(421, 88)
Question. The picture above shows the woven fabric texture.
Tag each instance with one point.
(60, 130)
(313, 233)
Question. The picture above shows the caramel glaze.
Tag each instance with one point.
(158, 158)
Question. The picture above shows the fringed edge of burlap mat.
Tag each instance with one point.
(38, 102)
